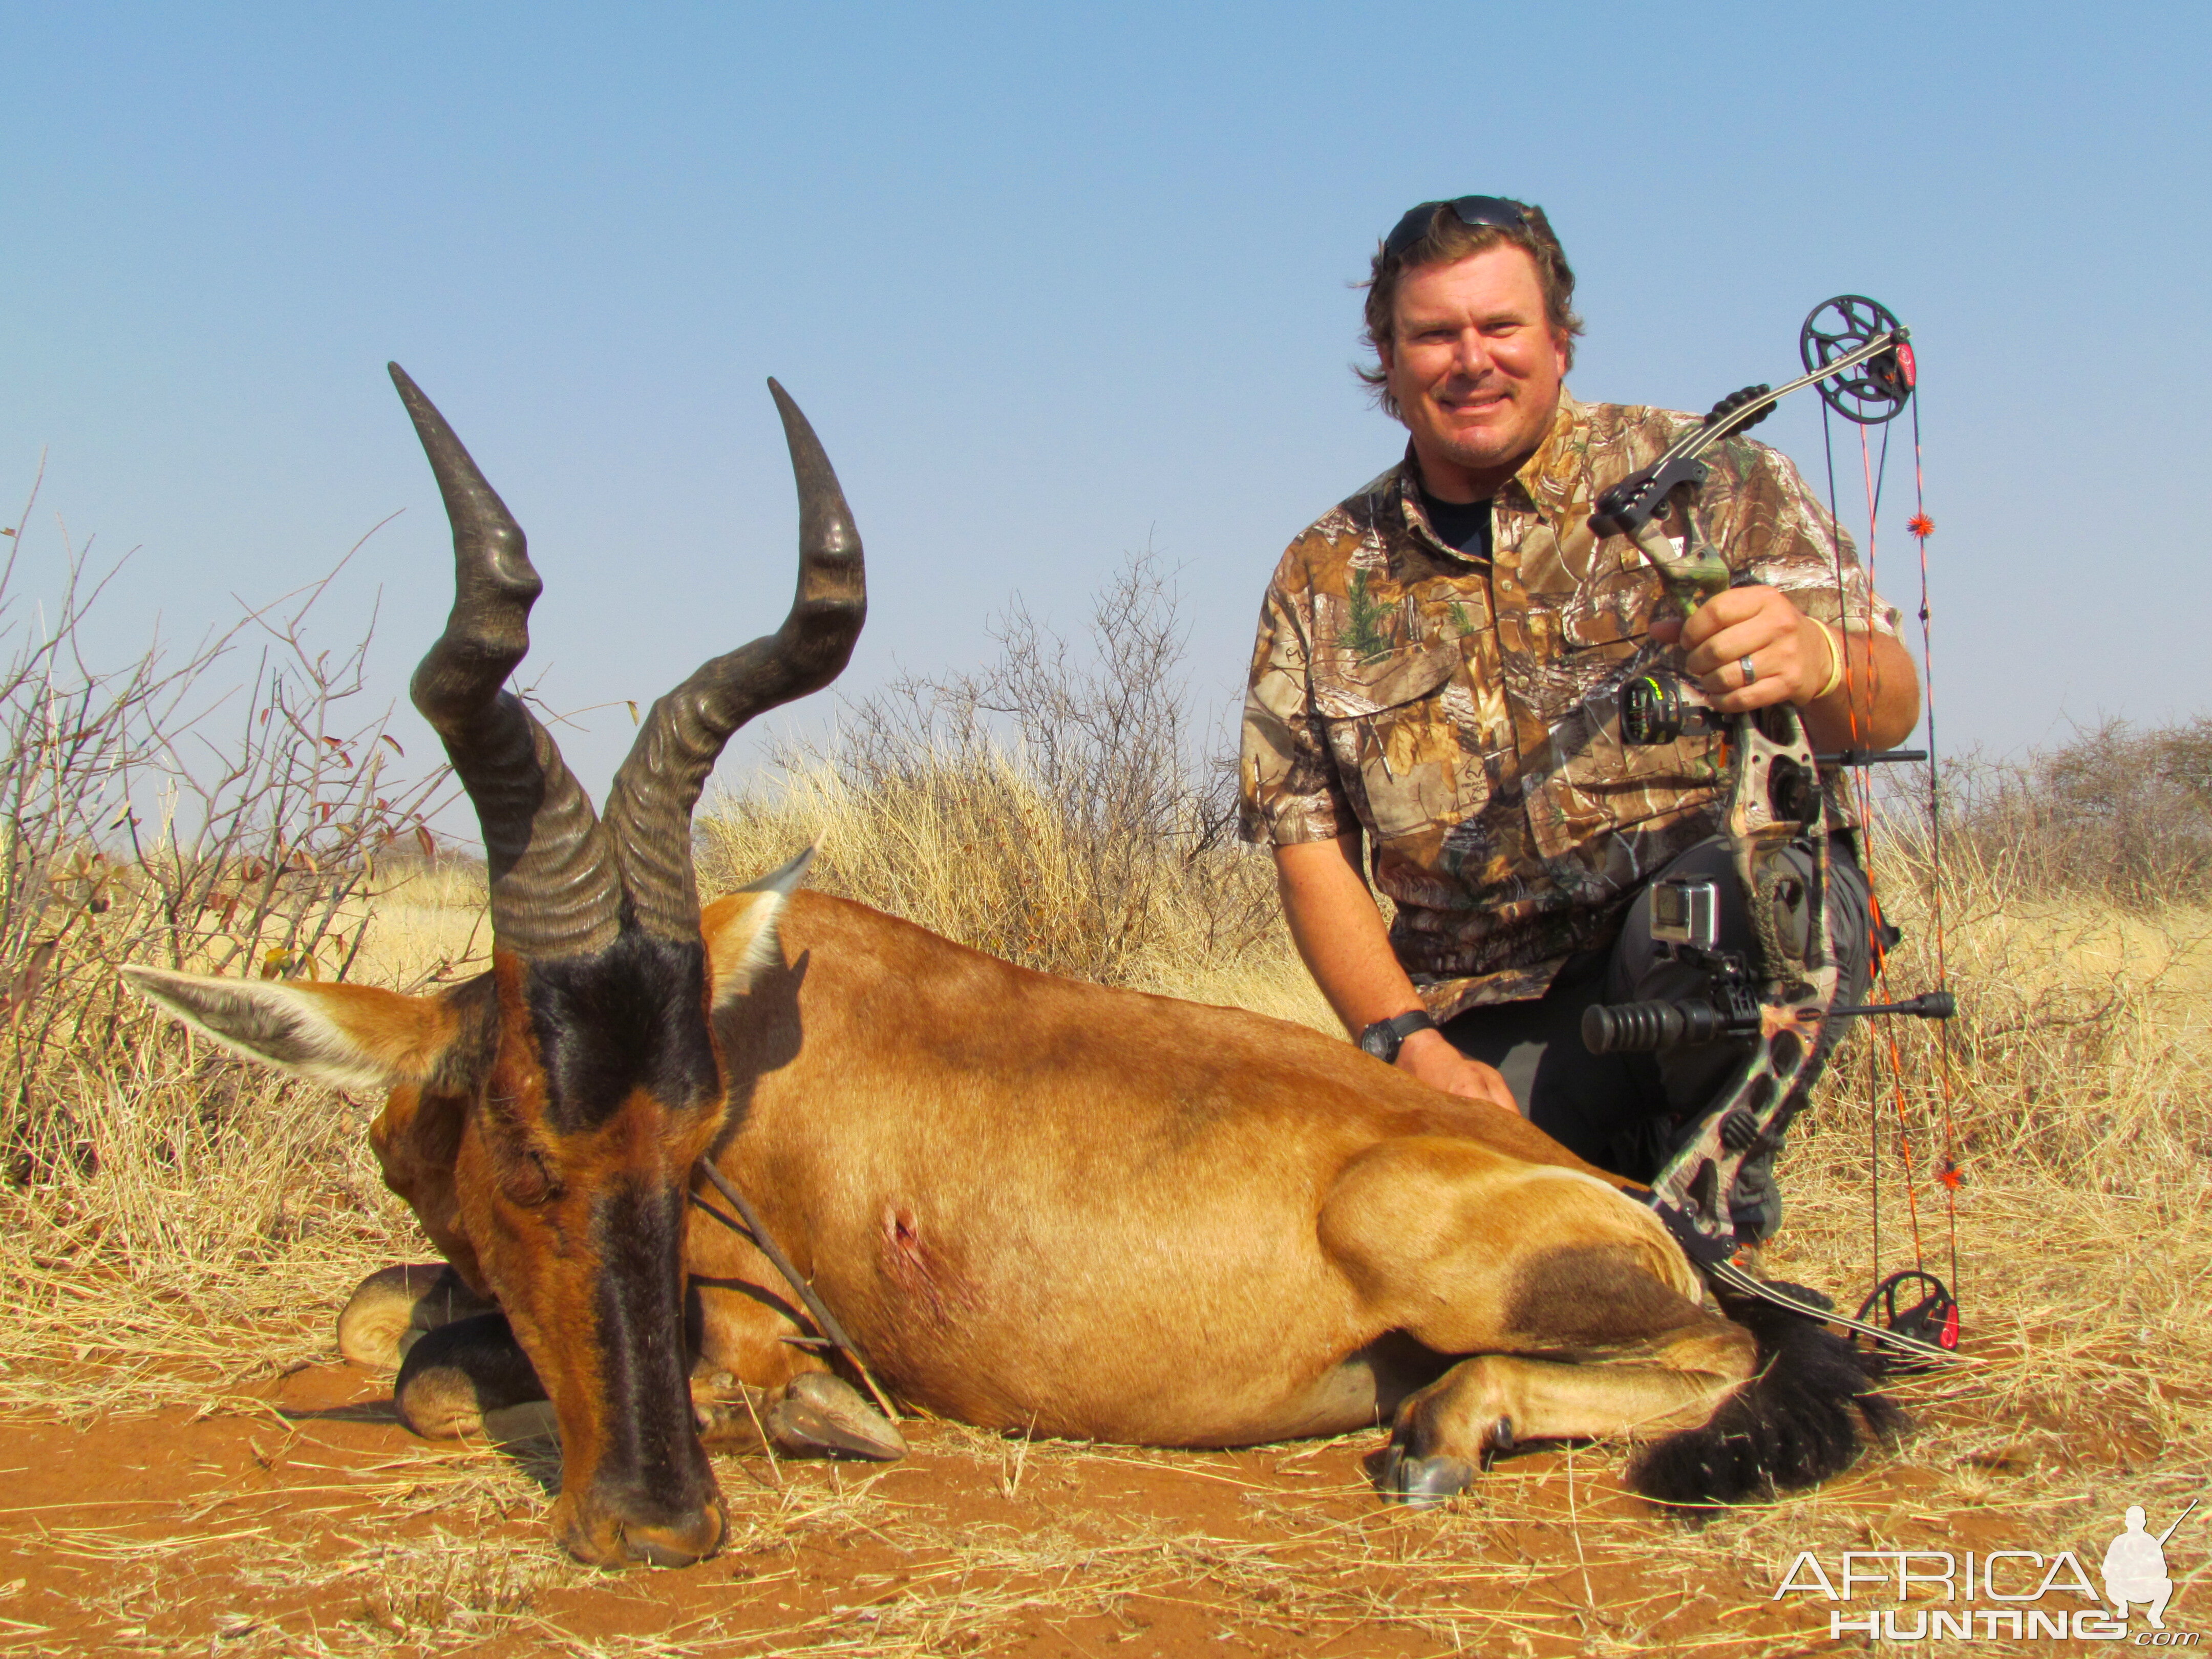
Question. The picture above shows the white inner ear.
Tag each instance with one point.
(745, 945)
(279, 1025)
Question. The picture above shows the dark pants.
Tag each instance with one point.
(1626, 1113)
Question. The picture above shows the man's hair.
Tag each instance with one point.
(1450, 240)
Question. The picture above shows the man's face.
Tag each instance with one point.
(1475, 368)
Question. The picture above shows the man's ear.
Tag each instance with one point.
(740, 930)
(351, 1036)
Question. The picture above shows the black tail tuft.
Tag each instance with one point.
(1794, 1424)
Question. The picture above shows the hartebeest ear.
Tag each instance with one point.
(740, 930)
(352, 1037)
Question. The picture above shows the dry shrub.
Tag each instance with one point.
(2121, 812)
(218, 808)
(1053, 809)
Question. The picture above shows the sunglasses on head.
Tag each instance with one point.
(1470, 210)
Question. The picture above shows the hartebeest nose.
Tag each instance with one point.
(677, 1544)
(604, 1536)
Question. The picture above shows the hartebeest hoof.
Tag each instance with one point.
(1423, 1482)
(821, 1415)
(472, 1376)
(394, 1306)
(1417, 1471)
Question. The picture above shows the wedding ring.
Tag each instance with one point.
(1750, 673)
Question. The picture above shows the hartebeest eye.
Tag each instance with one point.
(524, 1173)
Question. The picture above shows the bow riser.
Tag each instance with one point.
(1771, 779)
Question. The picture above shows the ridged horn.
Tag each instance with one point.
(649, 807)
(555, 889)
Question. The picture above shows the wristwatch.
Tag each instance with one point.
(1386, 1036)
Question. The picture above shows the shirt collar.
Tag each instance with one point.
(1549, 480)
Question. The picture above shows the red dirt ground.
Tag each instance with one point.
(320, 1527)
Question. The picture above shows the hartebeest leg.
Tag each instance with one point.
(1495, 1401)
(740, 1330)
(472, 1376)
(394, 1306)
(1581, 1316)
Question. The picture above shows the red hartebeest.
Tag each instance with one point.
(1036, 1204)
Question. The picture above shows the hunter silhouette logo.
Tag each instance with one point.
(2135, 1567)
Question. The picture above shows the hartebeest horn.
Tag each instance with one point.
(649, 807)
(555, 890)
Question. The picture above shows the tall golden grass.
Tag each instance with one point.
(191, 1225)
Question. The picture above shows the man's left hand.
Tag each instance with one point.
(1787, 650)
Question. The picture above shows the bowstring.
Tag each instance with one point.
(1874, 478)
(1950, 1175)
(1860, 719)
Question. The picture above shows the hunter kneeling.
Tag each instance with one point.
(1437, 682)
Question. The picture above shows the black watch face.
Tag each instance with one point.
(1380, 1040)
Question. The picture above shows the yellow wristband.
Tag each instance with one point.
(1835, 658)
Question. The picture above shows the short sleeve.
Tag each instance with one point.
(1287, 786)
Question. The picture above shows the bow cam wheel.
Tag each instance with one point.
(1871, 392)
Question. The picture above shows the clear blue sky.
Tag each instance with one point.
(1056, 281)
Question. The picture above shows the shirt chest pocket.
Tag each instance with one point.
(1394, 735)
(1609, 612)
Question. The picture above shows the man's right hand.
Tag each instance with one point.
(1428, 1057)
(1340, 933)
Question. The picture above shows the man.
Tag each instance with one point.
(1437, 677)
(2134, 1569)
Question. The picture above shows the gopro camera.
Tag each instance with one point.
(1685, 910)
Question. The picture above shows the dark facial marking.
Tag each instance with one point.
(651, 1448)
(632, 1018)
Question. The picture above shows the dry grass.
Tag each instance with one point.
(974, 850)
(2077, 1073)
(208, 1251)
(188, 1240)
(205, 1251)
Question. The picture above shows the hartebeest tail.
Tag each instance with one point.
(1794, 1423)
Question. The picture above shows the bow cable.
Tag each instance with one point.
(1860, 708)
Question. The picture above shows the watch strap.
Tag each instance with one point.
(1386, 1036)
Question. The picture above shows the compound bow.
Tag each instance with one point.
(1781, 995)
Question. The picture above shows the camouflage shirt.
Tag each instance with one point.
(1464, 714)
